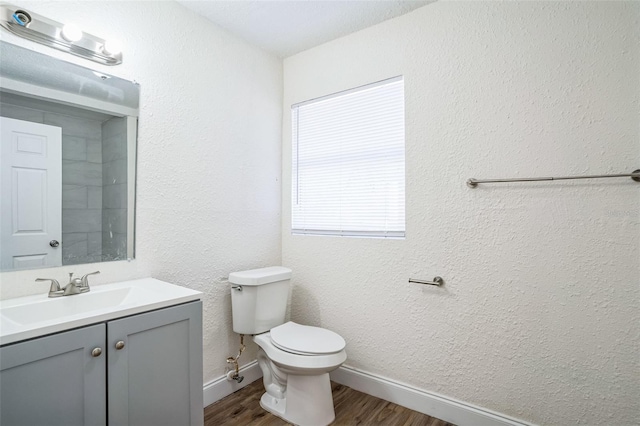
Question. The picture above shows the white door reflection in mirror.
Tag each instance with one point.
(30, 204)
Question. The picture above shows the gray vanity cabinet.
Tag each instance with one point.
(55, 380)
(155, 368)
(147, 371)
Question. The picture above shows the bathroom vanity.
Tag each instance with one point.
(128, 354)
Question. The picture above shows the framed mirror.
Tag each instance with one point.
(67, 158)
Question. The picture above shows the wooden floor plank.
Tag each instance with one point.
(353, 408)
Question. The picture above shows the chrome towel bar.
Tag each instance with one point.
(437, 281)
(472, 183)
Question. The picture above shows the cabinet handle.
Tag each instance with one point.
(120, 345)
(96, 352)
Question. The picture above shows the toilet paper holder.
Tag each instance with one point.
(437, 281)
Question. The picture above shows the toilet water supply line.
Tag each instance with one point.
(235, 373)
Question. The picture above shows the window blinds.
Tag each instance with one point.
(348, 163)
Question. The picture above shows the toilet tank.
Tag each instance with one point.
(259, 299)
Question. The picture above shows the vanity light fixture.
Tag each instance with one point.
(71, 33)
(65, 37)
(112, 47)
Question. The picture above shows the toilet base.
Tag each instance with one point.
(275, 406)
(308, 401)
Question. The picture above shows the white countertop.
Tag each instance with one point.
(34, 316)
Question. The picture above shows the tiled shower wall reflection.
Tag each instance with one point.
(114, 192)
(81, 189)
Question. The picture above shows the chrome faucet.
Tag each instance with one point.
(75, 285)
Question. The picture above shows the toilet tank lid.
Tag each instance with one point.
(260, 276)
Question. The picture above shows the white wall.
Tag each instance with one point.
(539, 316)
(208, 200)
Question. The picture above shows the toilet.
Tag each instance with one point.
(295, 359)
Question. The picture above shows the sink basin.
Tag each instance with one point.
(52, 309)
(34, 316)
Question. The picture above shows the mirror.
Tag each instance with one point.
(67, 162)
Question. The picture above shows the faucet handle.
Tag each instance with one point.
(85, 280)
(55, 285)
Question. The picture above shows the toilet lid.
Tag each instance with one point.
(304, 339)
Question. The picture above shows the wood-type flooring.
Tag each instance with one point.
(242, 408)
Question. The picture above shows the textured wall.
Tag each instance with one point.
(539, 316)
(208, 200)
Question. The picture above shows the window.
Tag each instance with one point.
(348, 163)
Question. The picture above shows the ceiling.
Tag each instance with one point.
(289, 27)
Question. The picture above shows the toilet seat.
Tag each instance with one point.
(306, 340)
(299, 363)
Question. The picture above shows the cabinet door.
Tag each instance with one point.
(54, 380)
(155, 378)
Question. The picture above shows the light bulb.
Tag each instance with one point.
(71, 33)
(112, 47)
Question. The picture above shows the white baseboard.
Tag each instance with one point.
(432, 404)
(218, 388)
